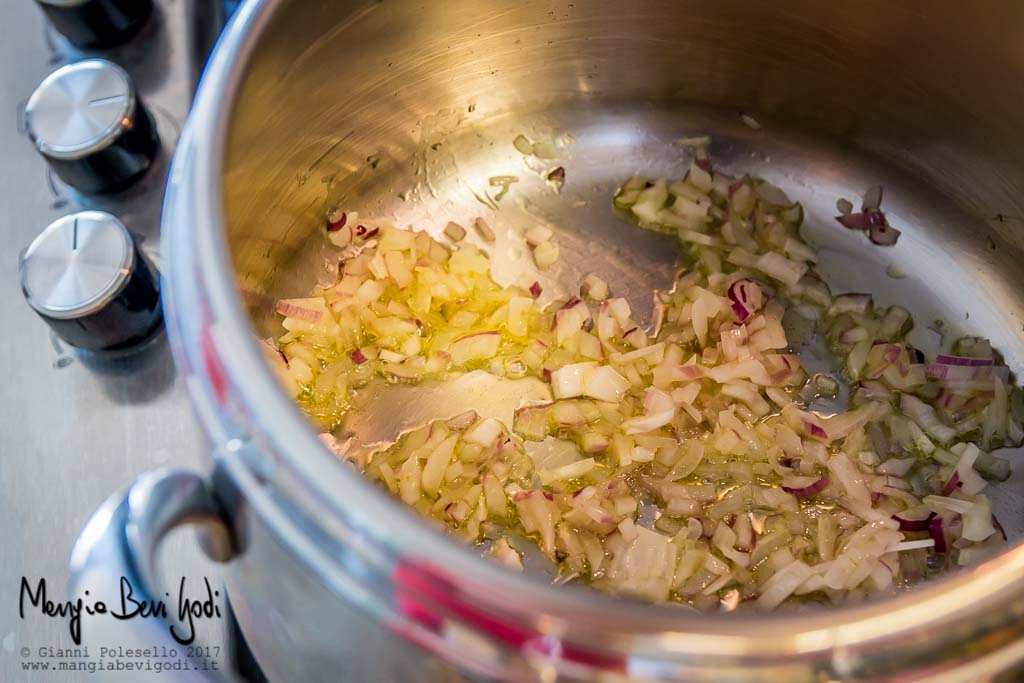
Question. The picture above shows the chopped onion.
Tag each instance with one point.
(463, 420)
(605, 384)
(486, 233)
(568, 381)
(659, 409)
(809, 490)
(503, 551)
(883, 234)
(781, 268)
(708, 419)
(746, 298)
(913, 545)
(923, 524)
(978, 521)
(556, 177)
(594, 288)
(455, 231)
(872, 198)
(306, 310)
(925, 417)
(537, 235)
(942, 503)
(782, 584)
(523, 145)
(850, 303)
(961, 360)
(545, 254)
(938, 534)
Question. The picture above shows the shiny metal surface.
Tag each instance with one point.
(77, 427)
(80, 108)
(413, 124)
(76, 264)
(121, 540)
(62, 3)
(97, 23)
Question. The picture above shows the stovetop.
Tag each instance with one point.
(77, 427)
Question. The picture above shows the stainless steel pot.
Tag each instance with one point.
(407, 108)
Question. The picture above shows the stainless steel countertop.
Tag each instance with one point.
(76, 430)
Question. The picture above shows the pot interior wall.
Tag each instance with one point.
(407, 110)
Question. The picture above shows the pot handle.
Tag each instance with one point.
(116, 552)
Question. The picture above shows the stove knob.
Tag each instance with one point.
(86, 278)
(97, 23)
(88, 122)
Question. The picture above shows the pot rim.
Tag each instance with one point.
(908, 622)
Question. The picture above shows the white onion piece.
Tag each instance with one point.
(455, 231)
(645, 567)
(434, 467)
(779, 267)
(476, 346)
(484, 433)
(503, 551)
(913, 545)
(647, 423)
(925, 417)
(978, 521)
(942, 503)
(545, 255)
(594, 288)
(782, 584)
(569, 381)
(537, 235)
(485, 230)
(605, 384)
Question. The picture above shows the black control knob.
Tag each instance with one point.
(87, 279)
(97, 23)
(90, 125)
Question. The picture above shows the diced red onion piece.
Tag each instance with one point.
(883, 234)
(942, 359)
(853, 221)
(288, 308)
(892, 353)
(336, 221)
(872, 222)
(872, 198)
(573, 300)
(853, 335)
(536, 289)
(746, 297)
(815, 430)
(914, 524)
(937, 533)
(358, 357)
(810, 490)
(557, 176)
